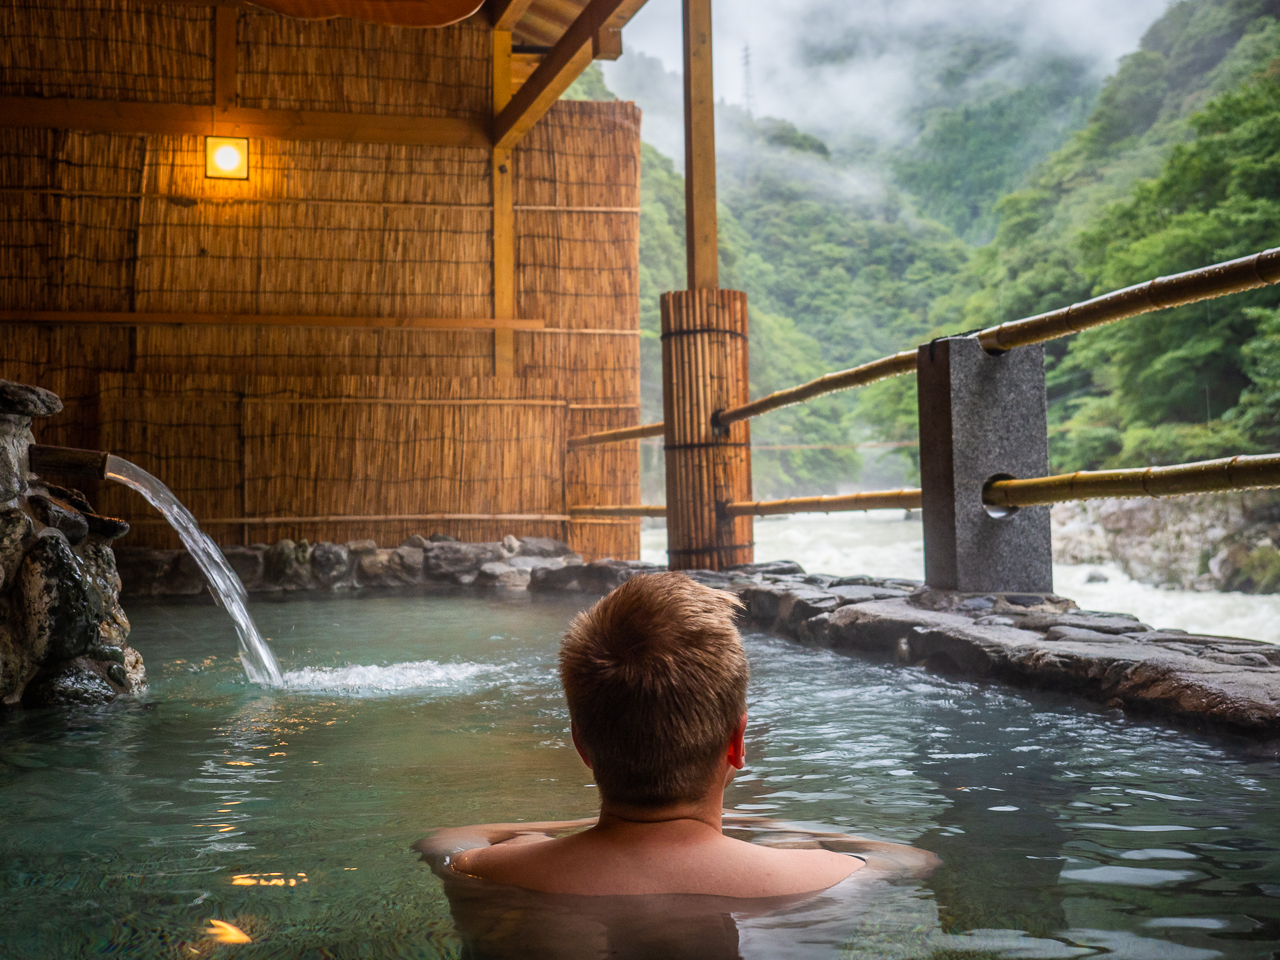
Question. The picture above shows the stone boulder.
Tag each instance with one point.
(247, 563)
(15, 529)
(78, 682)
(599, 576)
(59, 515)
(543, 547)
(460, 562)
(287, 565)
(331, 565)
(61, 610)
(517, 572)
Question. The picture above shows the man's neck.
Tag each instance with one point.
(706, 810)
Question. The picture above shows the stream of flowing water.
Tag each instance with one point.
(259, 662)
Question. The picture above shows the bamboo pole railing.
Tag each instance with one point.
(874, 500)
(1206, 476)
(1162, 293)
(617, 436)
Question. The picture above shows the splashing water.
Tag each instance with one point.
(228, 592)
(360, 680)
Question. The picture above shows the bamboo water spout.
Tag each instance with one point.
(228, 592)
(68, 461)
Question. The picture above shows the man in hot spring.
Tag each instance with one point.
(656, 680)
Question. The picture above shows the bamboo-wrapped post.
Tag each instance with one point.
(704, 369)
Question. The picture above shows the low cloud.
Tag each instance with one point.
(835, 67)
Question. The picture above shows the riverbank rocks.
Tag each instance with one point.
(1218, 541)
(63, 633)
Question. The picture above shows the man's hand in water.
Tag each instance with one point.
(451, 840)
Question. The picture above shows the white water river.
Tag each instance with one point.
(885, 544)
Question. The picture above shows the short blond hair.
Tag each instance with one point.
(656, 679)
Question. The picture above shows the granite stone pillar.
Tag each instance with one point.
(982, 418)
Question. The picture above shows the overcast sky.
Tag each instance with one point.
(833, 64)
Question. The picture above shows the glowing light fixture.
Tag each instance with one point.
(226, 158)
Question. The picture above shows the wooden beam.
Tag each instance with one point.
(643, 510)
(566, 61)
(504, 217)
(701, 231)
(224, 59)
(523, 66)
(505, 14)
(262, 319)
(386, 518)
(110, 116)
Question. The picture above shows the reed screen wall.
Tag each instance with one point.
(269, 430)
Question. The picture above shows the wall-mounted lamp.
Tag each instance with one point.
(226, 158)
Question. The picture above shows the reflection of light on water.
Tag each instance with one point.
(267, 880)
(224, 932)
(883, 544)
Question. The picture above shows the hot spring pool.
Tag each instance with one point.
(1065, 830)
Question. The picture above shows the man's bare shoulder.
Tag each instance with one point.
(596, 864)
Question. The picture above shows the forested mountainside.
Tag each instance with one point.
(1173, 163)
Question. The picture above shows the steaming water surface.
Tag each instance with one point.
(886, 545)
(1065, 830)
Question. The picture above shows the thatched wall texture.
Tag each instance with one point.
(247, 421)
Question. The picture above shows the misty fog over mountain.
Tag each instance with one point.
(852, 70)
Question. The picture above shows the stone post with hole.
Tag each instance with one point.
(982, 418)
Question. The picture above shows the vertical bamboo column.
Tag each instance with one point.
(704, 369)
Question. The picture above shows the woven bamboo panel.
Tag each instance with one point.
(347, 65)
(704, 363)
(595, 367)
(107, 50)
(581, 268)
(582, 154)
(121, 223)
(250, 447)
(325, 171)
(619, 539)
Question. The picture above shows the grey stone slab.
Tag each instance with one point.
(1098, 622)
(881, 625)
(1081, 635)
(861, 594)
(982, 416)
(775, 568)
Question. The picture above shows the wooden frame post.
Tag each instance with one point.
(224, 61)
(504, 239)
(701, 231)
(704, 350)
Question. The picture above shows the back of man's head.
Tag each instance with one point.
(656, 680)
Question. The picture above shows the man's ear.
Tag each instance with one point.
(737, 745)
(577, 744)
